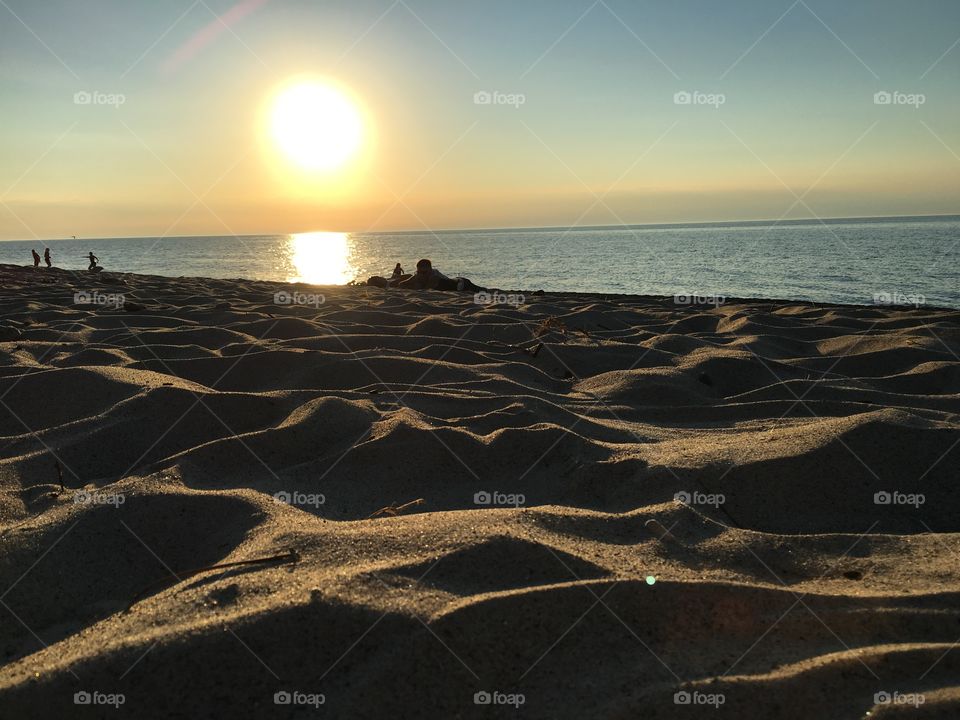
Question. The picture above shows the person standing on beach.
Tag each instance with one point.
(36, 257)
(93, 260)
(46, 257)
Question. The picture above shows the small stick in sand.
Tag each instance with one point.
(56, 464)
(550, 323)
(394, 510)
(291, 556)
(532, 351)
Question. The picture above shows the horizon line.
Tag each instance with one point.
(427, 231)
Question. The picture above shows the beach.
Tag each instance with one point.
(554, 505)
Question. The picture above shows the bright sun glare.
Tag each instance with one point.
(316, 125)
(321, 258)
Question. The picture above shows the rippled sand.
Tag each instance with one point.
(812, 566)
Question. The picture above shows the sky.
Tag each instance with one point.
(125, 118)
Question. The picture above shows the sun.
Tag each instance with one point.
(316, 125)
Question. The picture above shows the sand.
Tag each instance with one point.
(742, 510)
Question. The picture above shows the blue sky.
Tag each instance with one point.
(598, 138)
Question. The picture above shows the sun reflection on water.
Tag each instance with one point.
(320, 258)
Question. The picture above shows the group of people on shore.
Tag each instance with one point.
(93, 267)
(426, 277)
(46, 257)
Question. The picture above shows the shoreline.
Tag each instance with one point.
(538, 293)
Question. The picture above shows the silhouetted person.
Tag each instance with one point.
(93, 261)
(397, 272)
(429, 278)
(46, 257)
(36, 257)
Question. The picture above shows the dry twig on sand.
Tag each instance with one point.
(56, 464)
(291, 556)
(549, 324)
(531, 351)
(394, 510)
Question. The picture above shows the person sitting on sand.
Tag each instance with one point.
(397, 272)
(429, 278)
(36, 257)
(93, 261)
(46, 257)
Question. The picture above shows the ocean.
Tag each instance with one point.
(907, 260)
